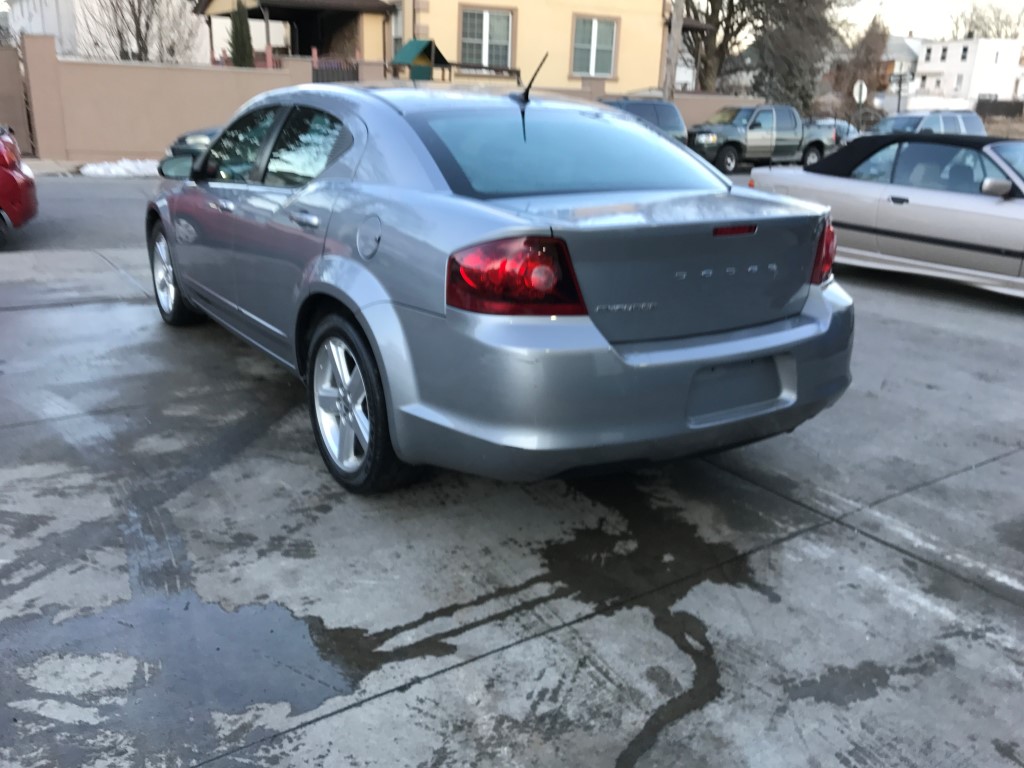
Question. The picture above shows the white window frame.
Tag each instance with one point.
(594, 22)
(959, 82)
(485, 53)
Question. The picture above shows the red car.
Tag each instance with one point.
(17, 188)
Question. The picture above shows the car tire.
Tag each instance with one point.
(174, 307)
(348, 411)
(5, 231)
(812, 155)
(728, 159)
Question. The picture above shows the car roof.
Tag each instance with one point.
(408, 100)
(845, 160)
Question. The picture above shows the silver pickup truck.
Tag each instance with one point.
(773, 133)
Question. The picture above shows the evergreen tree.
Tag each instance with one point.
(240, 45)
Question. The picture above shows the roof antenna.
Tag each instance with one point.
(529, 85)
(524, 97)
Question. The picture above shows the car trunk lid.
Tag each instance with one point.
(669, 265)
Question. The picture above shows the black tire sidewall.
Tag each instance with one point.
(380, 468)
(5, 232)
(722, 159)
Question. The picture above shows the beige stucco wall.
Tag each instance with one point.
(105, 111)
(546, 26)
(12, 97)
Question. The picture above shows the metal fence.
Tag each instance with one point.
(335, 71)
(987, 108)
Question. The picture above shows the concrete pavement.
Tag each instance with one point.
(182, 583)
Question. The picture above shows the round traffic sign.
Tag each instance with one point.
(860, 92)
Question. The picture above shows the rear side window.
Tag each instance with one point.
(950, 124)
(785, 120)
(972, 124)
(643, 111)
(233, 155)
(308, 142)
(669, 118)
(499, 152)
(878, 167)
(931, 124)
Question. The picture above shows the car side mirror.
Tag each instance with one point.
(996, 187)
(756, 124)
(177, 167)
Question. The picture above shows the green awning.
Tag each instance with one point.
(420, 53)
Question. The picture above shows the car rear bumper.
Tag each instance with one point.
(527, 398)
(18, 196)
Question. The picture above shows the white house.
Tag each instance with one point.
(972, 69)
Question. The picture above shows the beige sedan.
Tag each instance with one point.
(946, 206)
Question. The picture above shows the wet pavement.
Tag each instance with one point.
(181, 582)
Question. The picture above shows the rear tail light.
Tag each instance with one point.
(9, 156)
(826, 255)
(517, 276)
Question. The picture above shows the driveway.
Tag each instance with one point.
(181, 582)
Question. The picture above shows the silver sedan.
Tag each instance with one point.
(501, 284)
(945, 206)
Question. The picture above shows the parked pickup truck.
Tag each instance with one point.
(771, 133)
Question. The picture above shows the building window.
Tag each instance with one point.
(398, 28)
(959, 82)
(938, 84)
(963, 53)
(924, 81)
(487, 38)
(593, 48)
(945, 50)
(997, 57)
(927, 54)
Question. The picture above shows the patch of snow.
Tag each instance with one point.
(120, 169)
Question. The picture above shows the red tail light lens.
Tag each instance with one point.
(826, 256)
(8, 153)
(518, 276)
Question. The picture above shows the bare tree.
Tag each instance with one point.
(987, 21)
(864, 63)
(792, 49)
(140, 30)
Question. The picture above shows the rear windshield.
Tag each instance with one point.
(731, 115)
(898, 125)
(486, 153)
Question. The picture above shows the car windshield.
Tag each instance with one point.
(898, 125)
(731, 115)
(1013, 153)
(499, 152)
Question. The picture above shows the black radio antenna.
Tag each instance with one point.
(529, 85)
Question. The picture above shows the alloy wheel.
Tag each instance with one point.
(342, 410)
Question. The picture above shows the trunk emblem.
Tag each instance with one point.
(771, 268)
(639, 306)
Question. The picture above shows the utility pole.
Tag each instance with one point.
(672, 44)
(898, 80)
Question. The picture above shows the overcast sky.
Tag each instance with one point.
(931, 19)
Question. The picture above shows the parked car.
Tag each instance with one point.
(662, 114)
(455, 279)
(773, 133)
(18, 203)
(948, 206)
(193, 143)
(962, 122)
(843, 130)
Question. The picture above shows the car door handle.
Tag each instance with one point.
(899, 200)
(226, 205)
(305, 219)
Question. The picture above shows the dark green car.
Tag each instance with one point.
(773, 133)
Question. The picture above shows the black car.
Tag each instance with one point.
(193, 143)
(658, 112)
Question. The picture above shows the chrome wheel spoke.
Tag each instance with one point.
(356, 387)
(329, 399)
(337, 355)
(361, 427)
(163, 274)
(346, 444)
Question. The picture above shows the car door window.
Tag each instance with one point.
(766, 118)
(878, 167)
(309, 141)
(785, 119)
(644, 112)
(943, 167)
(951, 124)
(233, 155)
(669, 118)
(931, 124)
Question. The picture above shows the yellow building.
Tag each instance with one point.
(612, 46)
